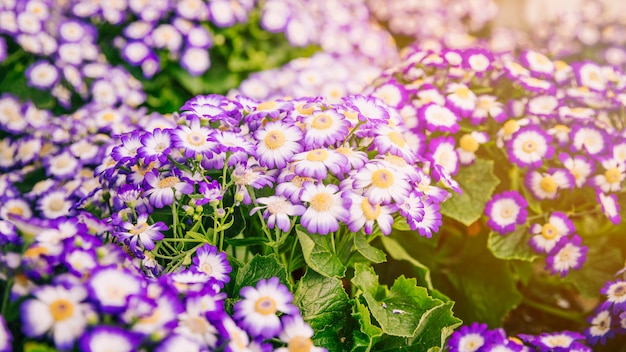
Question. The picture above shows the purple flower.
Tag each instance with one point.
(505, 211)
(210, 261)
(530, 146)
(600, 327)
(610, 206)
(103, 337)
(277, 210)
(164, 190)
(111, 286)
(616, 296)
(468, 338)
(566, 255)
(6, 339)
(140, 235)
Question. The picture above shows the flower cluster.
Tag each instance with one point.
(76, 290)
(556, 126)
(609, 318)
(479, 338)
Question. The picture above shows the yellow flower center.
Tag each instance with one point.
(152, 318)
(382, 178)
(529, 146)
(267, 105)
(462, 92)
(484, 104)
(298, 181)
(196, 139)
(322, 202)
(612, 175)
(558, 341)
(15, 210)
(322, 122)
(206, 268)
(510, 127)
(56, 205)
(265, 305)
(548, 184)
(351, 115)
(469, 143)
(561, 128)
(620, 290)
(370, 211)
(35, 251)
(139, 228)
(305, 111)
(300, 344)
(594, 76)
(397, 139)
(506, 212)
(549, 231)
(108, 116)
(61, 309)
(274, 140)
(317, 155)
(197, 325)
(168, 182)
(541, 59)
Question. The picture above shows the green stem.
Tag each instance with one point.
(175, 219)
(572, 316)
(5, 298)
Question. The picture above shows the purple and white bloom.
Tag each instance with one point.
(267, 109)
(566, 255)
(368, 108)
(530, 146)
(176, 343)
(610, 207)
(140, 235)
(468, 338)
(62, 165)
(508, 129)
(546, 236)
(615, 292)
(600, 328)
(381, 183)
(590, 75)
(546, 185)
(442, 151)
(194, 324)
(6, 339)
(111, 287)
(487, 105)
(364, 214)
(165, 189)
(210, 261)
(277, 210)
(157, 145)
(54, 204)
(326, 208)
(579, 166)
(539, 64)
(193, 138)
(297, 335)
(257, 310)
(613, 176)
(325, 128)
(506, 210)
(278, 141)
(391, 140)
(439, 118)
(316, 163)
(104, 338)
(195, 60)
(57, 310)
(238, 339)
(430, 222)
(469, 144)
(460, 99)
(557, 341)
(544, 106)
(589, 139)
(42, 75)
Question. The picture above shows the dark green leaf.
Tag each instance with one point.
(512, 245)
(244, 242)
(319, 255)
(478, 183)
(603, 261)
(260, 267)
(373, 254)
(369, 333)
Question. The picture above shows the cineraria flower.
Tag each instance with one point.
(193, 138)
(546, 236)
(364, 214)
(566, 255)
(611, 179)
(157, 145)
(460, 99)
(212, 263)
(165, 190)
(600, 328)
(589, 74)
(277, 211)
(104, 338)
(325, 128)
(439, 118)
(388, 139)
(468, 338)
(110, 287)
(588, 138)
(58, 310)
(442, 152)
(193, 323)
(381, 184)
(469, 144)
(530, 146)
(579, 166)
(610, 206)
(6, 339)
(42, 75)
(368, 108)
(176, 342)
(326, 208)
(615, 292)
(316, 163)
(505, 211)
(257, 309)
(297, 335)
(54, 204)
(430, 222)
(546, 185)
(140, 235)
(277, 143)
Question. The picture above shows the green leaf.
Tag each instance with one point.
(37, 347)
(318, 254)
(478, 183)
(244, 242)
(369, 333)
(370, 252)
(436, 326)
(603, 261)
(513, 245)
(260, 267)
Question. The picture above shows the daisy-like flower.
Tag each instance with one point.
(544, 106)
(326, 208)
(62, 165)
(438, 118)
(157, 145)
(297, 335)
(615, 292)
(590, 75)
(110, 287)
(267, 109)
(487, 105)
(579, 166)
(613, 176)
(210, 261)
(192, 138)
(557, 341)
(381, 183)
(364, 214)
(140, 235)
(600, 328)
(6, 339)
(505, 211)
(176, 342)
(391, 140)
(195, 60)
(430, 222)
(193, 323)
(325, 128)
(442, 151)
(316, 163)
(54, 204)
(546, 236)
(530, 146)
(165, 189)
(566, 255)
(42, 75)
(277, 210)
(469, 144)
(539, 64)
(610, 206)
(104, 338)
(589, 139)
(368, 108)
(461, 99)
(546, 185)
(468, 338)
(57, 310)
(15, 208)
(278, 141)
(257, 310)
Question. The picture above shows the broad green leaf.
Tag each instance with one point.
(319, 255)
(478, 183)
(322, 300)
(369, 333)
(512, 245)
(370, 252)
(603, 261)
(260, 267)
(436, 326)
